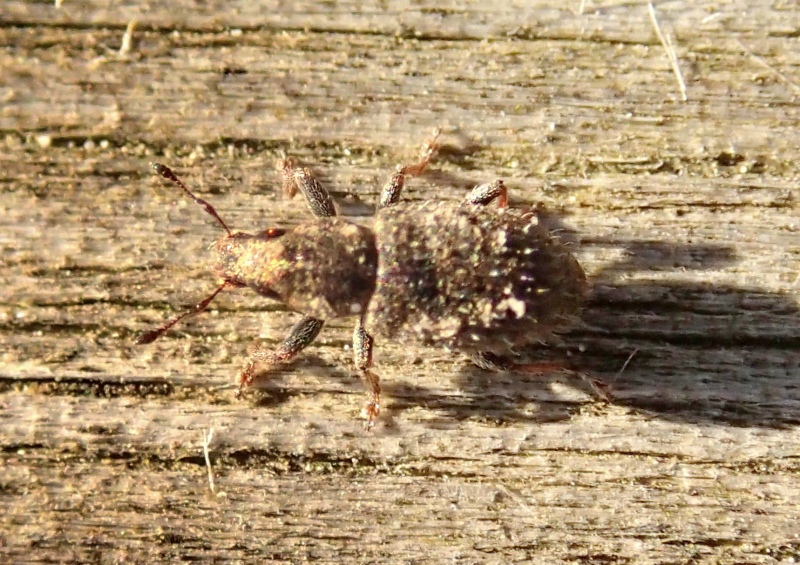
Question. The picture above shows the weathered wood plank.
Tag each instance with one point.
(684, 214)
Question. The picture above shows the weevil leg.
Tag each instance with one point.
(498, 364)
(485, 193)
(394, 187)
(362, 357)
(300, 178)
(491, 362)
(302, 334)
(600, 388)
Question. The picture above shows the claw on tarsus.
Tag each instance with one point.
(371, 411)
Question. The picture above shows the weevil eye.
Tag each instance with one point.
(271, 233)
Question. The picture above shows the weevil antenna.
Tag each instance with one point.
(152, 335)
(167, 173)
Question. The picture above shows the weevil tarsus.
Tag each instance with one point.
(390, 194)
(362, 359)
(301, 336)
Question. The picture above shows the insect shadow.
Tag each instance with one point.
(680, 351)
(278, 389)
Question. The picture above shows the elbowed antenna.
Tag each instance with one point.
(152, 335)
(167, 173)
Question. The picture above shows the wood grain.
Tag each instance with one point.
(685, 216)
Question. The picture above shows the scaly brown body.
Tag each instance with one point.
(470, 277)
(466, 276)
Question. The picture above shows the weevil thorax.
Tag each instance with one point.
(324, 269)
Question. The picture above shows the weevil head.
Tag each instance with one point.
(243, 259)
(325, 269)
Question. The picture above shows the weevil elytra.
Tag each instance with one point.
(467, 276)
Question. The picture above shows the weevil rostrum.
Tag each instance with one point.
(468, 276)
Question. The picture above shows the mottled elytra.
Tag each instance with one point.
(466, 276)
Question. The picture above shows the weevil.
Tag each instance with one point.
(468, 276)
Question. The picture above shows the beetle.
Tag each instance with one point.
(466, 276)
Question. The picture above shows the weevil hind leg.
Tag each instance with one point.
(300, 337)
(300, 178)
(362, 357)
(497, 364)
(392, 190)
(599, 388)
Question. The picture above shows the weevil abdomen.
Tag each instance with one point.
(471, 277)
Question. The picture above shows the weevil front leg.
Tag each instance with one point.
(486, 193)
(301, 335)
(300, 178)
(392, 189)
(362, 357)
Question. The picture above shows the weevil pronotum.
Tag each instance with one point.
(467, 276)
